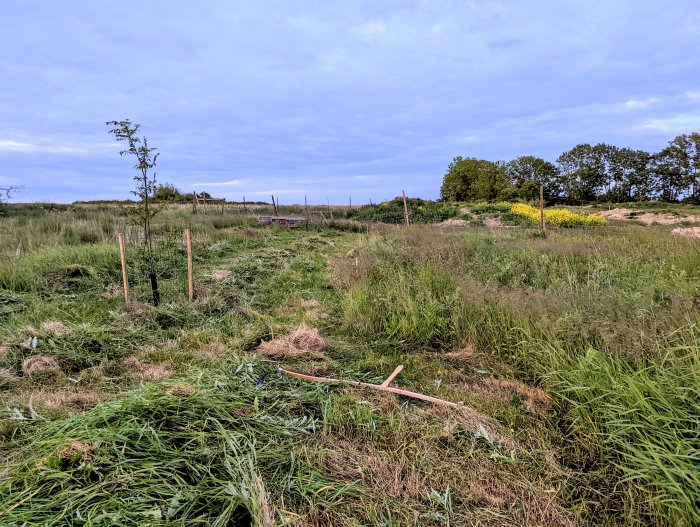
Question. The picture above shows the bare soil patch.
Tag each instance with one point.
(648, 218)
(453, 222)
(690, 232)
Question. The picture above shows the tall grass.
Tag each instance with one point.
(628, 394)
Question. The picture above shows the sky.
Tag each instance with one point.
(331, 99)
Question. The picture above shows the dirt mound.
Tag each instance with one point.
(40, 364)
(493, 223)
(452, 222)
(648, 218)
(690, 232)
(302, 342)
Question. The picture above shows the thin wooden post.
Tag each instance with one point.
(274, 205)
(306, 206)
(350, 201)
(190, 282)
(244, 207)
(405, 208)
(542, 220)
(223, 202)
(194, 202)
(120, 236)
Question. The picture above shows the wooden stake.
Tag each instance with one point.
(405, 208)
(120, 236)
(194, 202)
(190, 282)
(274, 205)
(542, 221)
(222, 205)
(244, 207)
(306, 206)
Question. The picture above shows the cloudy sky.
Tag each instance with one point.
(331, 99)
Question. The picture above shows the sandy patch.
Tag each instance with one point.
(690, 232)
(460, 355)
(648, 218)
(493, 223)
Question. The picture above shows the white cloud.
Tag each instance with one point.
(681, 123)
(633, 104)
(24, 147)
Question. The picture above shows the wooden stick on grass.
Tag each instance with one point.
(380, 387)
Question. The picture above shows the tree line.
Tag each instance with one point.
(587, 172)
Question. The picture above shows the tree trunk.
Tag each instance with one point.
(154, 288)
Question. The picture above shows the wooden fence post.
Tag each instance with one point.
(274, 205)
(405, 208)
(120, 236)
(190, 284)
(542, 220)
(244, 207)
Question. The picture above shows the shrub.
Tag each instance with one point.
(559, 217)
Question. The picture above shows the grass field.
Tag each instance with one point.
(577, 358)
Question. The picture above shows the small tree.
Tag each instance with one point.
(146, 157)
(5, 193)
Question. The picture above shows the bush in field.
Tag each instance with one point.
(560, 217)
(419, 211)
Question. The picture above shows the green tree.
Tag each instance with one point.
(684, 153)
(146, 157)
(167, 192)
(473, 179)
(527, 173)
(582, 172)
(5, 193)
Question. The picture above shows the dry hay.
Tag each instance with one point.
(534, 399)
(53, 327)
(690, 232)
(78, 449)
(302, 342)
(221, 275)
(266, 510)
(212, 350)
(648, 218)
(181, 389)
(69, 399)
(4, 351)
(147, 371)
(7, 376)
(453, 222)
(38, 364)
(112, 291)
(395, 475)
(471, 419)
(524, 506)
(461, 355)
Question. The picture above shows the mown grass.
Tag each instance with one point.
(167, 416)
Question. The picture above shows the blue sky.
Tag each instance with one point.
(331, 99)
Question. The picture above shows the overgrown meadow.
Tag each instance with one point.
(576, 355)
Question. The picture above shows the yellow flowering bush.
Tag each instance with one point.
(560, 217)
